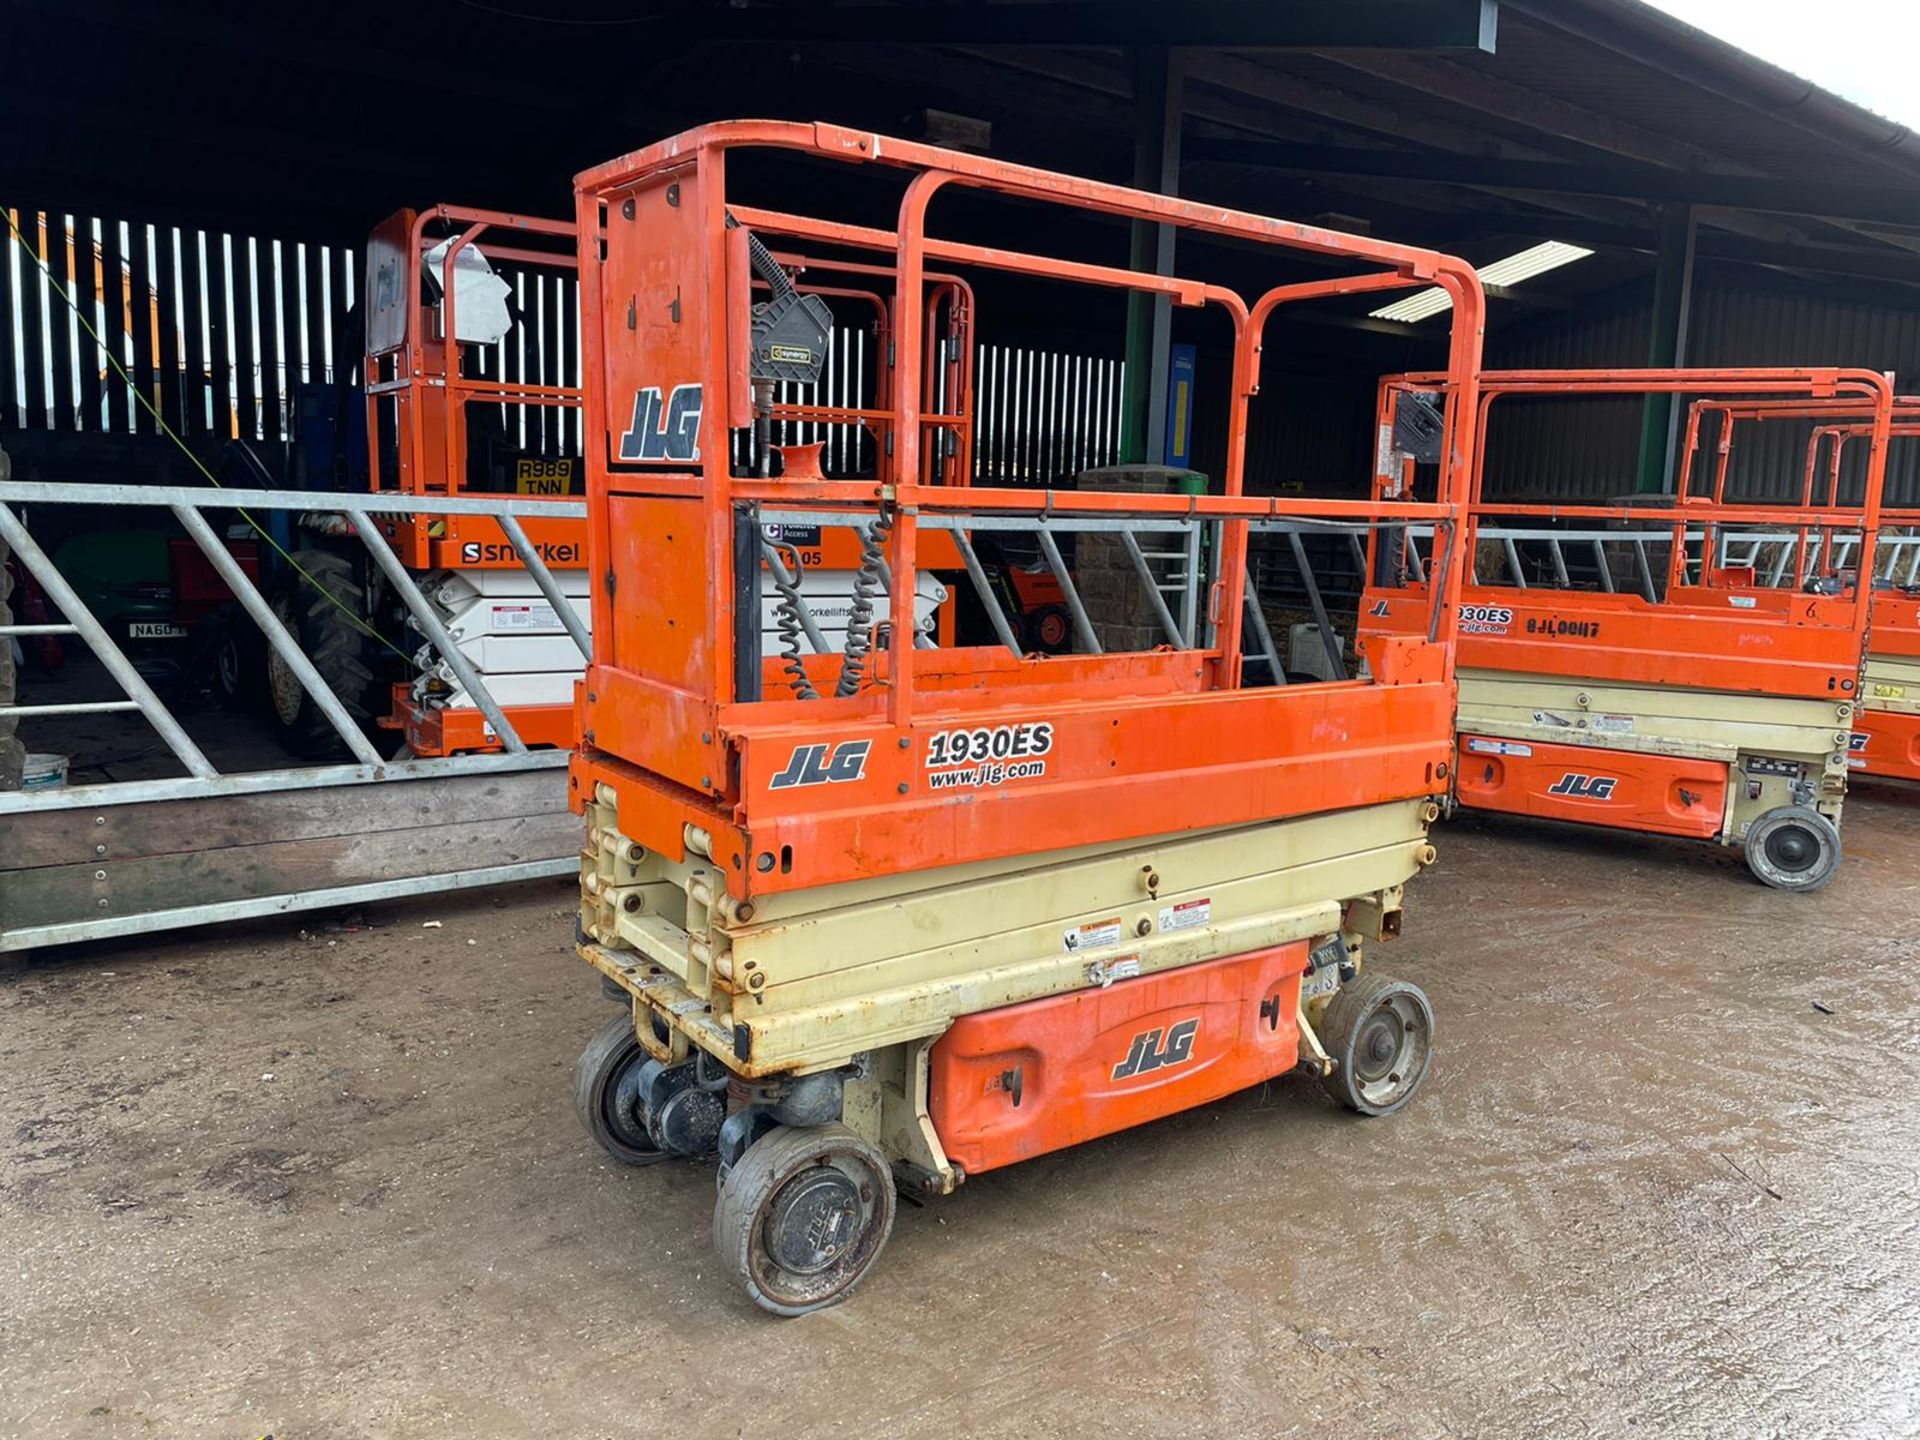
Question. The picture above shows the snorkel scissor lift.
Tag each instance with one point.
(1636, 665)
(906, 913)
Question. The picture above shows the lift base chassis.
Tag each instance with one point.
(1887, 743)
(1697, 763)
(858, 983)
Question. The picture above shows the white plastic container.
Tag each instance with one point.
(44, 772)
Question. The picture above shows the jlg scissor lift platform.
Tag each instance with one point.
(905, 914)
(1886, 738)
(1632, 665)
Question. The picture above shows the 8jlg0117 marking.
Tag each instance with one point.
(884, 912)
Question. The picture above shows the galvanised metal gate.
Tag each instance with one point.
(93, 861)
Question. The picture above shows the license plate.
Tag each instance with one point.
(543, 477)
(155, 630)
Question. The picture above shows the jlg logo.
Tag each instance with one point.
(823, 765)
(1148, 1054)
(668, 430)
(1576, 786)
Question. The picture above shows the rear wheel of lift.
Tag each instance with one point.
(1793, 848)
(606, 1093)
(1380, 1035)
(802, 1216)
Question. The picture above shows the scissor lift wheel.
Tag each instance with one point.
(802, 1216)
(1380, 1035)
(606, 1093)
(1793, 848)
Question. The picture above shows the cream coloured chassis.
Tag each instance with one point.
(1892, 684)
(869, 974)
(1667, 720)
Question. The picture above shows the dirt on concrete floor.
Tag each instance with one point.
(1664, 1181)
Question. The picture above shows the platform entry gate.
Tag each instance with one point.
(90, 861)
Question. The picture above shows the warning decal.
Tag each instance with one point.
(1092, 935)
(1186, 915)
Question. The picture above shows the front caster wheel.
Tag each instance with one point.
(606, 1093)
(802, 1216)
(1793, 848)
(1380, 1035)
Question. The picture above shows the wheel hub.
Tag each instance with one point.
(814, 1221)
(1380, 1045)
(1792, 848)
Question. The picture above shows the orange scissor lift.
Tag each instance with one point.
(904, 914)
(439, 414)
(437, 425)
(1886, 738)
(1681, 694)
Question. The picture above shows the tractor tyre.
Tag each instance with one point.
(322, 600)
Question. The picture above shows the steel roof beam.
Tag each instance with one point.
(1881, 203)
(1218, 24)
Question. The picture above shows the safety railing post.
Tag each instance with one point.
(1328, 640)
(1262, 632)
(1081, 624)
(1151, 586)
(983, 587)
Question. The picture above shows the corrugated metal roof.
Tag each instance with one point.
(1581, 450)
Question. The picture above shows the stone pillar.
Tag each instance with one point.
(1122, 614)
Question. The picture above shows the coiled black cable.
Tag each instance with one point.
(860, 627)
(786, 619)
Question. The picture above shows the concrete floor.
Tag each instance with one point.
(330, 1184)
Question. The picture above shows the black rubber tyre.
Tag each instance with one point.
(1793, 848)
(1380, 1035)
(320, 612)
(803, 1214)
(237, 661)
(607, 1098)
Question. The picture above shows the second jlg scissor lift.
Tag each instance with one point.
(906, 915)
(1699, 699)
(1886, 737)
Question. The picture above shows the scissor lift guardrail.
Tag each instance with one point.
(1168, 561)
(1769, 553)
(88, 862)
